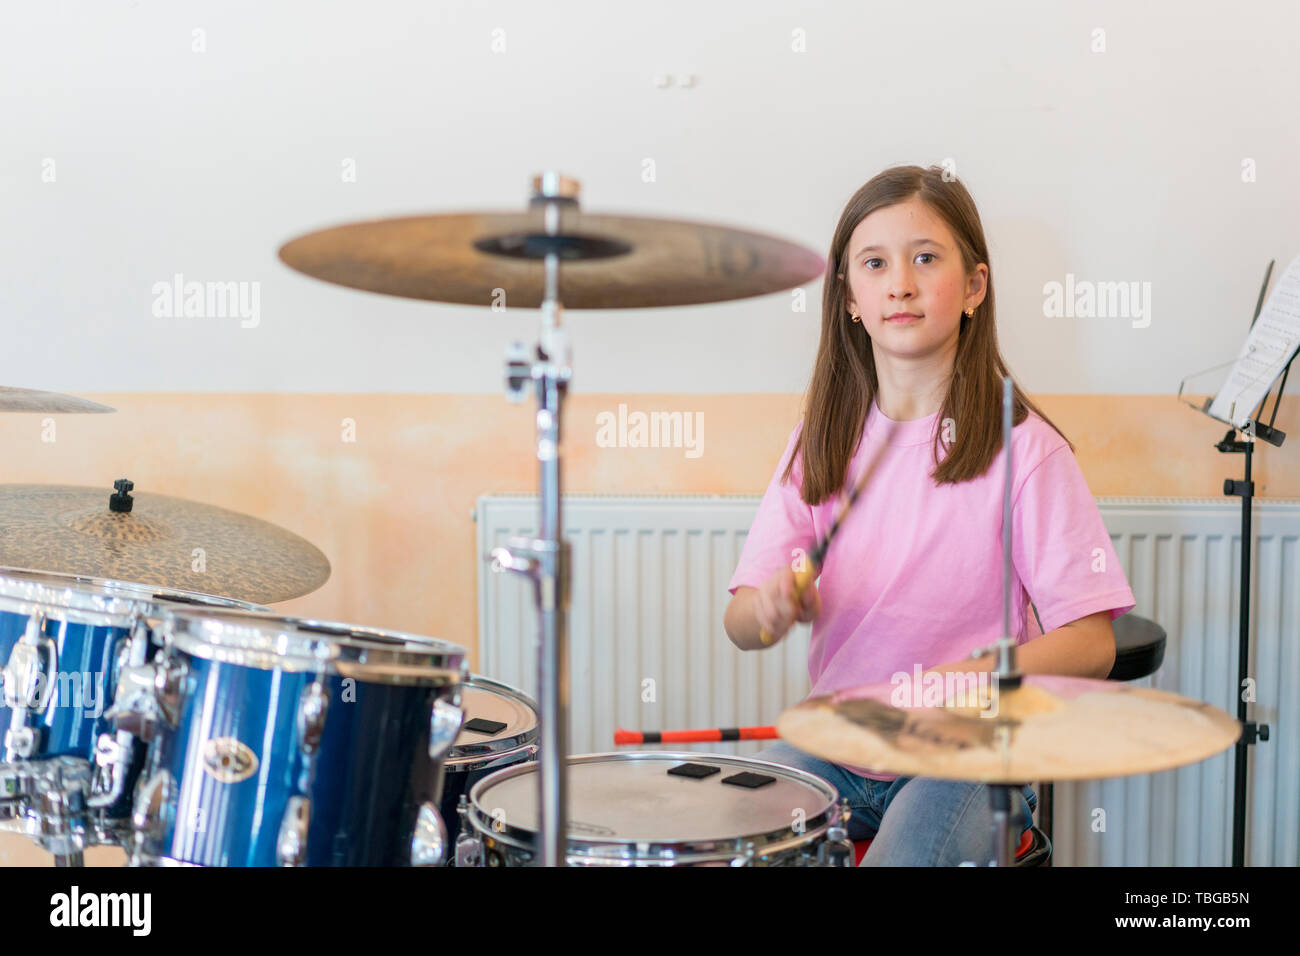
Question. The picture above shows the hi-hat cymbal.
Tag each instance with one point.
(33, 400)
(73, 530)
(607, 262)
(1050, 728)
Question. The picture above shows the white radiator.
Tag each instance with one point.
(648, 652)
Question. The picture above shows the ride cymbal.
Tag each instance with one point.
(1050, 728)
(607, 262)
(159, 541)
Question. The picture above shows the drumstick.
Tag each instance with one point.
(813, 565)
(706, 736)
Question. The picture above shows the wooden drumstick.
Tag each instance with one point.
(812, 566)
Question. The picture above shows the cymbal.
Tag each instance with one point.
(1050, 728)
(607, 262)
(33, 400)
(72, 530)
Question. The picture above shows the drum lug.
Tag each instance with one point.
(112, 766)
(147, 696)
(469, 848)
(152, 803)
(313, 706)
(838, 848)
(33, 662)
(444, 727)
(429, 842)
(291, 845)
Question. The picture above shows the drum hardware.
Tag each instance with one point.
(838, 848)
(313, 707)
(29, 677)
(46, 800)
(115, 753)
(153, 801)
(148, 696)
(291, 845)
(428, 844)
(469, 851)
(33, 400)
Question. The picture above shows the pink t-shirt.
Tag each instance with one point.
(914, 575)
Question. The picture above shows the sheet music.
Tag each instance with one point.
(1272, 342)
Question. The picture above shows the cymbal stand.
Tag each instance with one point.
(545, 559)
(1005, 671)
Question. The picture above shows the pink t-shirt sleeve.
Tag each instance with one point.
(1061, 548)
(783, 523)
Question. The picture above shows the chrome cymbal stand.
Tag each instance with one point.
(1006, 674)
(545, 559)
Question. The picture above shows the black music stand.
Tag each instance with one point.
(1254, 428)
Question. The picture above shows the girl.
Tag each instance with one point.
(908, 364)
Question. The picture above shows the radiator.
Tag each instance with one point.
(648, 652)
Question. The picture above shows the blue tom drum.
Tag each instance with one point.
(64, 642)
(289, 741)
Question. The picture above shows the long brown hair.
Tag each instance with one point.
(844, 381)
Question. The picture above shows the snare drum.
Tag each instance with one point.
(500, 730)
(661, 809)
(297, 742)
(64, 642)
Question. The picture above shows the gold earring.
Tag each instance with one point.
(970, 314)
(856, 317)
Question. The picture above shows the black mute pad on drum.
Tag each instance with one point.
(750, 780)
(696, 771)
(480, 725)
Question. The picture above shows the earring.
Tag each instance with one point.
(970, 314)
(856, 317)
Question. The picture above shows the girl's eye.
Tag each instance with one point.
(928, 255)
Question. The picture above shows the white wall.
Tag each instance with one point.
(1121, 165)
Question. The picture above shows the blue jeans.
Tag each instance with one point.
(914, 821)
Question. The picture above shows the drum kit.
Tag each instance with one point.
(195, 728)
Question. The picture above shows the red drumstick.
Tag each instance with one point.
(706, 736)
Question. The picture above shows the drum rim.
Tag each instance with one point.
(85, 599)
(269, 645)
(614, 849)
(487, 751)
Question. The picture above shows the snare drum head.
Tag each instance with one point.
(632, 798)
(493, 703)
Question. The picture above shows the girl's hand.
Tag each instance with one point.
(776, 609)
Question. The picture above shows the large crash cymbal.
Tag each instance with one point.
(606, 262)
(34, 400)
(1050, 728)
(73, 530)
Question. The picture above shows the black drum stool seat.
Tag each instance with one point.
(1139, 652)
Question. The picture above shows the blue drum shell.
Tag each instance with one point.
(365, 781)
